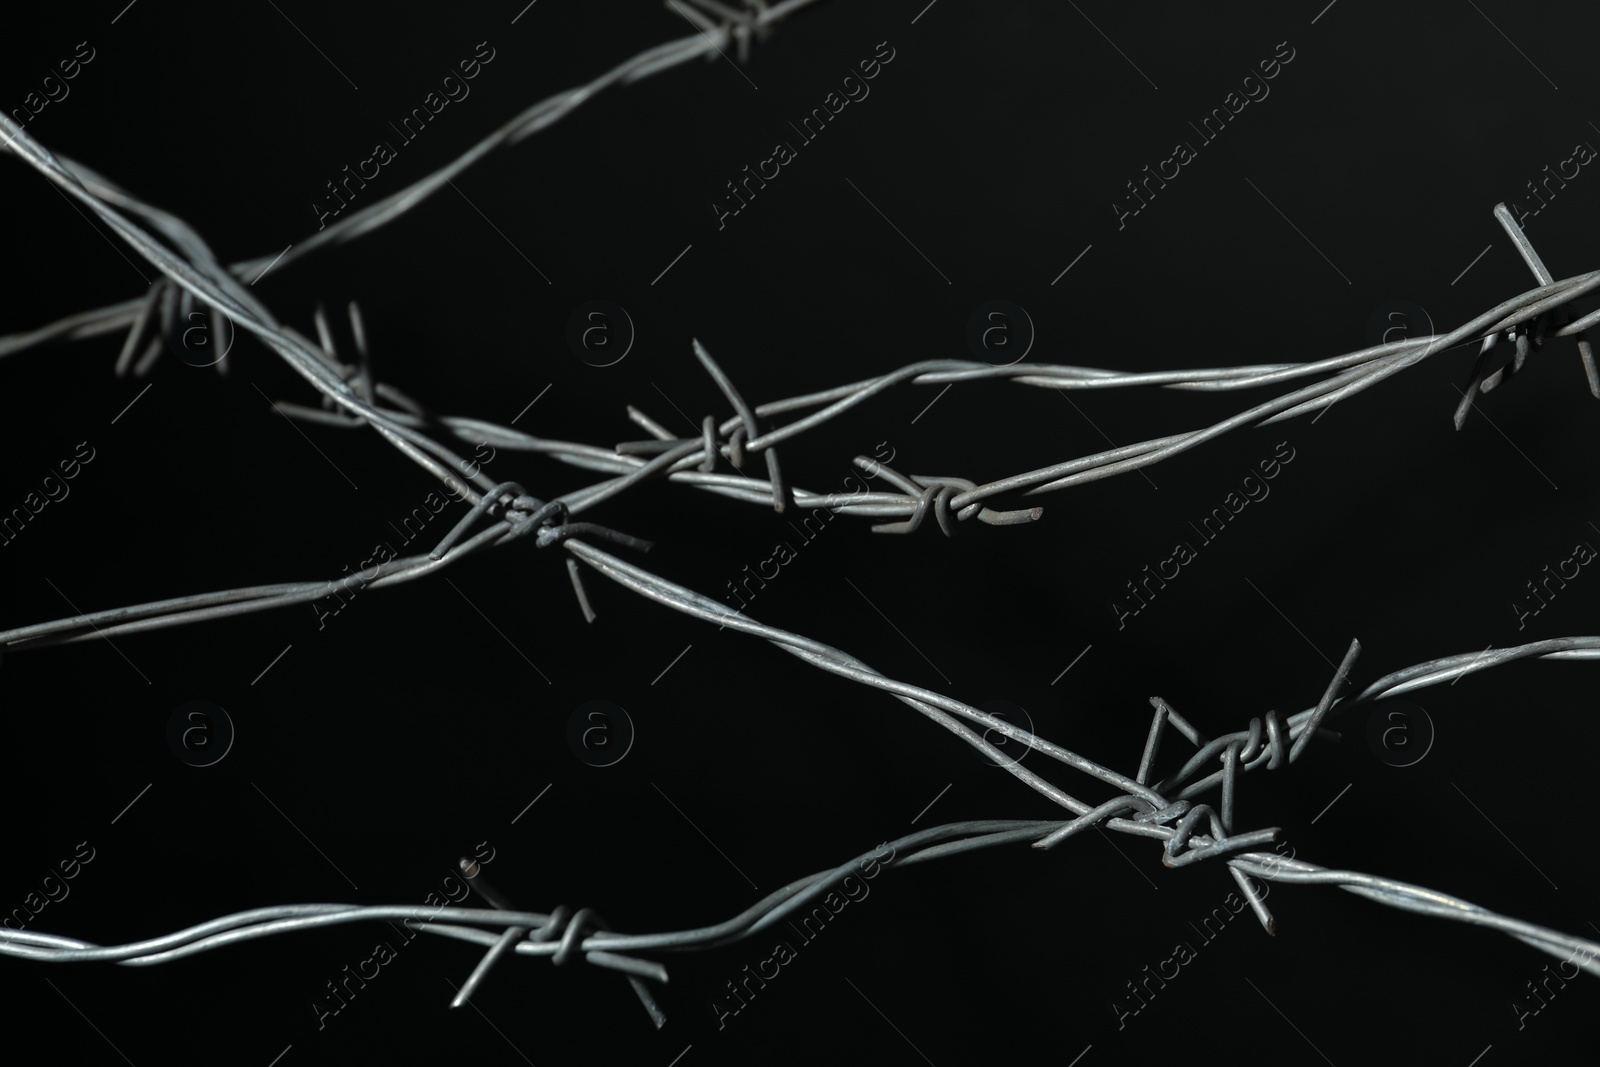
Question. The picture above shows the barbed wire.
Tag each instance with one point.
(1162, 810)
(563, 933)
(560, 933)
(174, 302)
(946, 496)
(951, 499)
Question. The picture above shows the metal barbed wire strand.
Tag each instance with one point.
(225, 294)
(1040, 375)
(1298, 725)
(322, 368)
(944, 371)
(1586, 648)
(604, 948)
(1243, 749)
(560, 933)
(706, 43)
(917, 496)
(552, 108)
(121, 621)
(1374, 365)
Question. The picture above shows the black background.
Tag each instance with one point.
(424, 718)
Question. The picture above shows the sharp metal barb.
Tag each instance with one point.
(1477, 382)
(1525, 248)
(1152, 744)
(1341, 679)
(1179, 722)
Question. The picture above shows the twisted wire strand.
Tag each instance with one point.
(1360, 370)
(559, 934)
(1250, 749)
(706, 43)
(951, 499)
